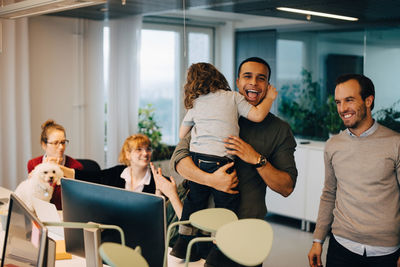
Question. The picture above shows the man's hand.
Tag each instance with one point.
(398, 262)
(219, 180)
(223, 181)
(314, 256)
(236, 146)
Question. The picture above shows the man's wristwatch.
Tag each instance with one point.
(262, 161)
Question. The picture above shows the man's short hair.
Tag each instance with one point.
(366, 85)
(258, 60)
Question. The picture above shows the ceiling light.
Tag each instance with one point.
(314, 13)
(28, 8)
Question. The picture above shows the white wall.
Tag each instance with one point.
(382, 66)
(63, 70)
(225, 51)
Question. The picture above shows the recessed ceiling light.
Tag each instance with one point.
(314, 13)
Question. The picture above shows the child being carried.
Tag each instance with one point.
(213, 113)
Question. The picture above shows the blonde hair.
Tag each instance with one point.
(47, 127)
(203, 78)
(131, 143)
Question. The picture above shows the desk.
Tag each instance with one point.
(77, 261)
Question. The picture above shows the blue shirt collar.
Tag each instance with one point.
(368, 132)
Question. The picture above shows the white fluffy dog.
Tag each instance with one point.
(40, 184)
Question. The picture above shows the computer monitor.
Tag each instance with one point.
(25, 237)
(140, 215)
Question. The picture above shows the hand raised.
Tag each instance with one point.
(236, 146)
(165, 186)
(272, 93)
(56, 160)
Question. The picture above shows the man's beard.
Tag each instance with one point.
(361, 115)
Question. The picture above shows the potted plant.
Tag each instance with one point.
(301, 107)
(389, 117)
(148, 125)
(333, 122)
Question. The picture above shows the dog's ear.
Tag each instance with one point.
(58, 181)
(35, 173)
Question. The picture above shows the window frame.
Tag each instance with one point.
(182, 62)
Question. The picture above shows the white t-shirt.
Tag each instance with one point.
(215, 116)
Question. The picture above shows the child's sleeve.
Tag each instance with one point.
(242, 105)
(187, 124)
(188, 119)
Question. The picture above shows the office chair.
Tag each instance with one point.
(247, 241)
(89, 164)
(209, 220)
(117, 255)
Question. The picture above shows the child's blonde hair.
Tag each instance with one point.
(131, 143)
(203, 78)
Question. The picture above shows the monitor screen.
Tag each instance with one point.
(25, 238)
(140, 215)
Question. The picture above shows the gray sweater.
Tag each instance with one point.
(361, 197)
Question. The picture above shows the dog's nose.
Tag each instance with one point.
(51, 179)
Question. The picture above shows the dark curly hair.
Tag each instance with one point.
(203, 78)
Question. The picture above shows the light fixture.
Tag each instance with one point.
(314, 13)
(28, 8)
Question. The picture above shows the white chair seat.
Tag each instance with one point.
(247, 242)
(211, 219)
(117, 255)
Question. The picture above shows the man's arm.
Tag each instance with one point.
(325, 213)
(277, 180)
(184, 130)
(184, 165)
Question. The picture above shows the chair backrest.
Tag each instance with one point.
(247, 242)
(89, 164)
(117, 255)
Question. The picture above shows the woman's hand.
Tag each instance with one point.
(55, 160)
(168, 188)
(240, 148)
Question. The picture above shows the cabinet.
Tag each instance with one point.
(303, 203)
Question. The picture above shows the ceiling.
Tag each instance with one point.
(369, 12)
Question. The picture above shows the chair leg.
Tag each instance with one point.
(172, 225)
(189, 248)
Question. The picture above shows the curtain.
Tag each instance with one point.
(123, 83)
(94, 99)
(15, 138)
(67, 85)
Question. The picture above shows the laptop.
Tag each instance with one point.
(25, 237)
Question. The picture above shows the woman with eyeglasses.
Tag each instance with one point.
(53, 141)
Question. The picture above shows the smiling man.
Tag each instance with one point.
(264, 153)
(360, 202)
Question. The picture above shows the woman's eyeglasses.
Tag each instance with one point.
(143, 149)
(57, 143)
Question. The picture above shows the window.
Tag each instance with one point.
(165, 56)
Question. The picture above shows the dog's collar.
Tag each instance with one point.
(44, 189)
